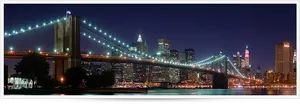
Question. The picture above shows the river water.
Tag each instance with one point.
(217, 92)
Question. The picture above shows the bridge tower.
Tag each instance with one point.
(67, 40)
(220, 81)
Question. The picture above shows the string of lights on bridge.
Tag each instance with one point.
(235, 68)
(217, 59)
(122, 43)
(32, 27)
(199, 62)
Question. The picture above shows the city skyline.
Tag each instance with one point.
(154, 27)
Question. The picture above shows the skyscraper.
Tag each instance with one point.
(182, 57)
(163, 49)
(284, 58)
(247, 60)
(243, 63)
(139, 71)
(190, 55)
(294, 61)
(174, 57)
(258, 74)
(141, 47)
(237, 60)
(128, 72)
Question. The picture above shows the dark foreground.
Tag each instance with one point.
(72, 91)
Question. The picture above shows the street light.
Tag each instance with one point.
(62, 81)
(11, 48)
(39, 49)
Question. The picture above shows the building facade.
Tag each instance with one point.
(284, 58)
(237, 60)
(258, 74)
(295, 61)
(174, 56)
(182, 57)
(247, 58)
(189, 55)
(163, 50)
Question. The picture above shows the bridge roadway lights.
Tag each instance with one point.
(220, 81)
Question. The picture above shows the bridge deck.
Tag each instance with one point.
(117, 59)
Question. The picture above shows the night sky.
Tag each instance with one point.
(208, 29)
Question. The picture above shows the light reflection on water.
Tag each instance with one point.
(205, 92)
(218, 92)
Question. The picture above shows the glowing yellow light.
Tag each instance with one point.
(286, 44)
(62, 79)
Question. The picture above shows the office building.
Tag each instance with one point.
(237, 60)
(140, 73)
(160, 74)
(173, 75)
(174, 56)
(141, 46)
(258, 74)
(243, 63)
(269, 77)
(163, 51)
(284, 58)
(182, 57)
(128, 72)
(189, 55)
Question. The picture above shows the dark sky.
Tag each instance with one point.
(208, 29)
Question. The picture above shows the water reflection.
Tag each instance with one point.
(219, 92)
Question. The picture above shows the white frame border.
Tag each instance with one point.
(146, 96)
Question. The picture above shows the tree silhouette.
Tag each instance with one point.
(106, 79)
(74, 76)
(93, 81)
(33, 66)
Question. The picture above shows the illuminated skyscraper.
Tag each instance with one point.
(128, 71)
(258, 74)
(141, 47)
(163, 49)
(284, 58)
(294, 61)
(247, 60)
(174, 57)
(243, 63)
(190, 55)
(182, 57)
(140, 71)
(139, 40)
(237, 60)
